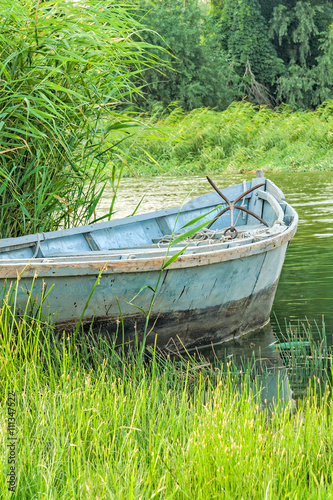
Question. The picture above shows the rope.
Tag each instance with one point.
(40, 238)
(260, 234)
(211, 236)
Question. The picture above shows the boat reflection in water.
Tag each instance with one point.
(258, 353)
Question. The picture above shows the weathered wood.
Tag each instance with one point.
(229, 284)
(274, 190)
(273, 203)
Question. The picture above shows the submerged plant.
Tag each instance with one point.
(306, 353)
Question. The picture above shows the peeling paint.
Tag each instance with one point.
(210, 293)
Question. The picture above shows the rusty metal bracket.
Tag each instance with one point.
(232, 206)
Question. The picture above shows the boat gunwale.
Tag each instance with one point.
(31, 239)
(52, 266)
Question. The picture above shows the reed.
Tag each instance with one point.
(65, 68)
(94, 422)
(240, 139)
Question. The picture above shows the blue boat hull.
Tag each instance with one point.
(208, 294)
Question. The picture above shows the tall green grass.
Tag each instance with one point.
(93, 422)
(64, 68)
(239, 139)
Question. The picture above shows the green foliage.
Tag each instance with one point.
(64, 66)
(197, 73)
(244, 36)
(92, 422)
(269, 52)
(302, 38)
(297, 31)
(239, 139)
(280, 48)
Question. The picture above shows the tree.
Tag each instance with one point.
(197, 73)
(281, 49)
(244, 36)
(300, 33)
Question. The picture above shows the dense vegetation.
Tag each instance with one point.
(64, 68)
(69, 73)
(239, 139)
(93, 422)
(197, 72)
(270, 52)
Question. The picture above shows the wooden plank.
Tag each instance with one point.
(82, 267)
(91, 242)
(255, 204)
(163, 225)
(271, 267)
(149, 251)
(183, 290)
(274, 204)
(274, 190)
(74, 243)
(20, 254)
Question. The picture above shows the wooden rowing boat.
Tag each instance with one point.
(221, 285)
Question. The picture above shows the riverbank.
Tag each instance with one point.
(240, 139)
(92, 422)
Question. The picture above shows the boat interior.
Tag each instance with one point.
(236, 216)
